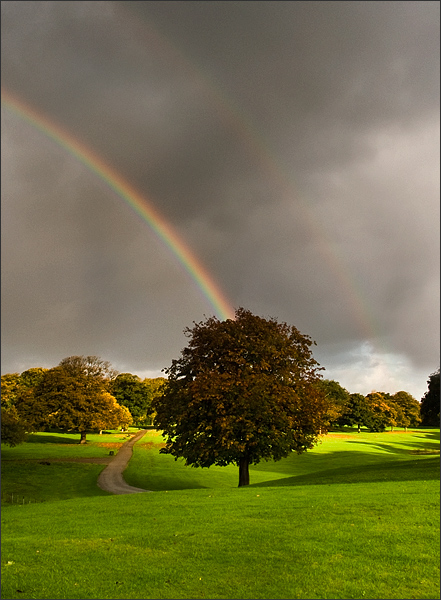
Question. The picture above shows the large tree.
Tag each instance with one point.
(74, 396)
(127, 389)
(14, 383)
(430, 401)
(156, 387)
(243, 390)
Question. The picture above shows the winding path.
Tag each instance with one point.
(111, 479)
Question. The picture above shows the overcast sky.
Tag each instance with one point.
(293, 146)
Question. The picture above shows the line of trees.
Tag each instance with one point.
(376, 411)
(81, 394)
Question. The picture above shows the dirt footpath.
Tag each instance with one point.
(111, 479)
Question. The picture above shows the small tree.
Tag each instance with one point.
(243, 390)
(357, 411)
(380, 411)
(407, 409)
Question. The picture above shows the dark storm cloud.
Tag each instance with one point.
(294, 145)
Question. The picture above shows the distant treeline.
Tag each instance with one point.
(84, 393)
(379, 410)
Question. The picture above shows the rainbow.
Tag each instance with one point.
(235, 118)
(142, 206)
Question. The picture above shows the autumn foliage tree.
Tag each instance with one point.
(381, 412)
(13, 429)
(11, 384)
(74, 396)
(32, 377)
(243, 390)
(407, 409)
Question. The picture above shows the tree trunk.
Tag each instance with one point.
(359, 428)
(244, 474)
(83, 437)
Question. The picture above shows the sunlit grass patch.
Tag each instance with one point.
(31, 471)
(63, 445)
(349, 459)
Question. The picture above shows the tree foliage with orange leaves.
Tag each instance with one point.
(243, 390)
(13, 430)
(74, 396)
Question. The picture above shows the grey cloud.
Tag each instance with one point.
(294, 146)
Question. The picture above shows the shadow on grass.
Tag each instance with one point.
(51, 438)
(174, 483)
(433, 432)
(406, 447)
(400, 470)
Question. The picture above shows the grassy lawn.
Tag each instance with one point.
(29, 482)
(26, 479)
(340, 458)
(357, 517)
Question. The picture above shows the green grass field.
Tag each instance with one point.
(25, 479)
(357, 517)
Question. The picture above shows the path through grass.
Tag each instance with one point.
(27, 476)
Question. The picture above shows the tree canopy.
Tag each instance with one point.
(357, 411)
(338, 399)
(430, 401)
(13, 429)
(407, 409)
(380, 411)
(32, 377)
(90, 366)
(136, 395)
(243, 390)
(11, 384)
